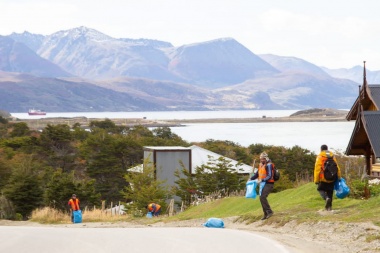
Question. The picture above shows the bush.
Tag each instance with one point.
(357, 189)
(374, 190)
(7, 210)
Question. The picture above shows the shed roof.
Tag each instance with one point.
(165, 148)
(365, 134)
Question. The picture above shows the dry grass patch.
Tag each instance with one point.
(54, 216)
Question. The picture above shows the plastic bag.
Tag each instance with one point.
(251, 189)
(341, 188)
(214, 223)
(262, 184)
(77, 216)
(149, 215)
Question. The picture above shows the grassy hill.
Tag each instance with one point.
(302, 204)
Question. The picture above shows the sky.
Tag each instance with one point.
(329, 33)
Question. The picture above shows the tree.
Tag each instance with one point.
(142, 188)
(218, 175)
(106, 163)
(58, 151)
(20, 129)
(5, 172)
(24, 187)
(165, 136)
(228, 149)
(186, 186)
(62, 185)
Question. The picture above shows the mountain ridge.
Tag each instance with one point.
(218, 74)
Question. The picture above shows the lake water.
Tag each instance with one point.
(308, 135)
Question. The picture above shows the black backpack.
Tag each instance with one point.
(275, 173)
(330, 169)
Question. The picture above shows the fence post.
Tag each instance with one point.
(103, 205)
(171, 207)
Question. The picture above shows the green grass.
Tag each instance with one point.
(302, 204)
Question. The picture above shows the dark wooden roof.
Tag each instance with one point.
(370, 95)
(366, 135)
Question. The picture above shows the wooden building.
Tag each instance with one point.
(365, 138)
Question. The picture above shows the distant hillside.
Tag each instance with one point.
(320, 112)
(19, 93)
(355, 74)
(16, 57)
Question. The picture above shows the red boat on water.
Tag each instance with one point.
(36, 112)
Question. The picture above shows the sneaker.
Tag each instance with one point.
(328, 204)
(269, 215)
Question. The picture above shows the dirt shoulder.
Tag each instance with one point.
(306, 237)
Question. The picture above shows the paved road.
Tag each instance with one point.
(133, 240)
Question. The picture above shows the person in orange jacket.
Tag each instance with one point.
(74, 205)
(325, 187)
(264, 174)
(154, 208)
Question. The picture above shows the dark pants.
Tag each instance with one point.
(157, 212)
(263, 198)
(326, 190)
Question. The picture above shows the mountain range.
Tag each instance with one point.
(82, 69)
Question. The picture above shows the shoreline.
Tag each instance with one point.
(38, 124)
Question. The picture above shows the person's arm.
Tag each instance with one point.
(317, 169)
(256, 175)
(153, 208)
(339, 172)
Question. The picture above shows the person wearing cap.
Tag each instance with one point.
(325, 187)
(265, 175)
(74, 205)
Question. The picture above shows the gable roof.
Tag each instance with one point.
(365, 134)
(201, 156)
(370, 95)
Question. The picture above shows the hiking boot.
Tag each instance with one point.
(328, 204)
(264, 218)
(269, 215)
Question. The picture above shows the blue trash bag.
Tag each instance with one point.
(251, 189)
(77, 216)
(214, 223)
(262, 184)
(149, 215)
(341, 188)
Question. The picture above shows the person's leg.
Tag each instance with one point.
(323, 194)
(264, 201)
(329, 200)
